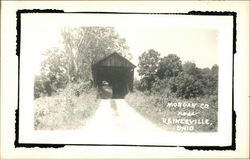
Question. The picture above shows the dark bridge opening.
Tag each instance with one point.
(105, 91)
(117, 71)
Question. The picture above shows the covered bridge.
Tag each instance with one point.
(117, 71)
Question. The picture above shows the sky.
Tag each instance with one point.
(199, 45)
(195, 45)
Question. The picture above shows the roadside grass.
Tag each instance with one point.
(154, 107)
(64, 111)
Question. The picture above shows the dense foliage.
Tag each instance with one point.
(148, 64)
(82, 47)
(166, 80)
(169, 66)
(169, 75)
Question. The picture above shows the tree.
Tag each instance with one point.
(210, 80)
(215, 69)
(187, 86)
(82, 47)
(214, 82)
(148, 64)
(191, 69)
(53, 73)
(169, 66)
(86, 45)
(195, 82)
(39, 87)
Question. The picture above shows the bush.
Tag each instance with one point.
(188, 86)
(77, 89)
(162, 87)
(46, 87)
(65, 111)
(39, 88)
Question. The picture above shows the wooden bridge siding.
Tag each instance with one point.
(117, 71)
(111, 73)
(115, 61)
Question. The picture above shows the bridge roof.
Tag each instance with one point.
(114, 60)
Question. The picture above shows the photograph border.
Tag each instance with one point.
(201, 13)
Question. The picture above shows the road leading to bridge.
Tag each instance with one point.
(115, 115)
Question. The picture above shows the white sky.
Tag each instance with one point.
(196, 45)
(142, 32)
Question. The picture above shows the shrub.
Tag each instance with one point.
(188, 86)
(65, 111)
(162, 87)
(39, 88)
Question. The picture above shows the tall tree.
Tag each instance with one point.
(169, 66)
(86, 45)
(148, 64)
(82, 47)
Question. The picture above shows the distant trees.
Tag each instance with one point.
(189, 82)
(82, 47)
(210, 80)
(169, 75)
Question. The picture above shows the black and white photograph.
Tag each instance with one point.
(111, 80)
(129, 74)
(92, 81)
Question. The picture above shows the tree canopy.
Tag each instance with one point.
(169, 75)
(82, 47)
(148, 63)
(169, 66)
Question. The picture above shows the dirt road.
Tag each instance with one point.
(115, 115)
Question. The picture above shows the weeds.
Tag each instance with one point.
(65, 111)
(154, 107)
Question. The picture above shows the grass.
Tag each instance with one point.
(155, 107)
(64, 111)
